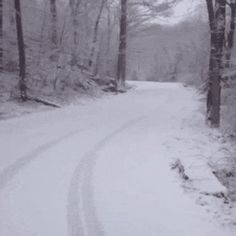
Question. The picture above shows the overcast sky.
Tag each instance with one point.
(183, 10)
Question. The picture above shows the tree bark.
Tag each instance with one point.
(53, 10)
(1, 36)
(230, 36)
(217, 27)
(108, 49)
(121, 64)
(95, 36)
(211, 19)
(75, 5)
(21, 49)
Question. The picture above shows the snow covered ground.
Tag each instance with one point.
(104, 168)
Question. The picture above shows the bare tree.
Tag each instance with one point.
(134, 15)
(1, 36)
(95, 35)
(121, 64)
(229, 40)
(53, 10)
(75, 5)
(21, 49)
(217, 15)
(109, 33)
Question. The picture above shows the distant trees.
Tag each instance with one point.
(133, 15)
(88, 36)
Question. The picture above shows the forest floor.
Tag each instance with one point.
(134, 164)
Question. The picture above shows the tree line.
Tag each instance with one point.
(91, 37)
(93, 34)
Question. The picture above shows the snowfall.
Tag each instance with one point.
(107, 167)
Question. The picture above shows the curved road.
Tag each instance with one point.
(103, 168)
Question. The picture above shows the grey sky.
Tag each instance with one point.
(183, 10)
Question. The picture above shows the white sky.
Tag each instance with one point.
(184, 9)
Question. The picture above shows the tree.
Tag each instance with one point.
(95, 35)
(229, 40)
(75, 5)
(135, 14)
(109, 35)
(1, 36)
(53, 10)
(121, 64)
(217, 18)
(21, 49)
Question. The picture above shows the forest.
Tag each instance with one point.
(93, 95)
(68, 47)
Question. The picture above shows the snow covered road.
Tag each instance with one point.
(103, 168)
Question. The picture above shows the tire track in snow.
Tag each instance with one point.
(13, 169)
(81, 211)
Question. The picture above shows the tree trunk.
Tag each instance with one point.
(75, 5)
(217, 26)
(1, 36)
(109, 33)
(53, 10)
(211, 19)
(121, 64)
(95, 36)
(230, 36)
(21, 49)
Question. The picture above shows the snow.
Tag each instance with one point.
(103, 167)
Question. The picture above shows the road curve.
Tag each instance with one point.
(89, 169)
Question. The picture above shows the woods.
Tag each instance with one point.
(69, 47)
(117, 117)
